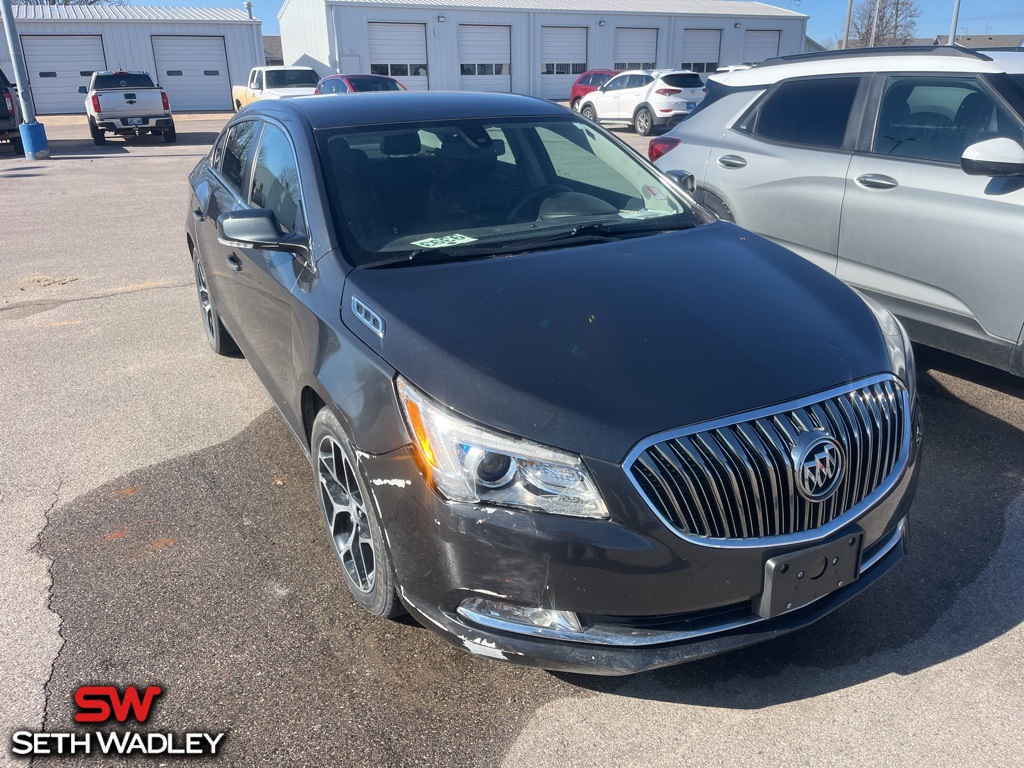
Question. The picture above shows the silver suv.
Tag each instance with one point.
(901, 171)
(645, 98)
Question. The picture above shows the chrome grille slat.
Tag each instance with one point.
(735, 479)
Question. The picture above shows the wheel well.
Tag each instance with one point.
(312, 403)
(646, 106)
(713, 202)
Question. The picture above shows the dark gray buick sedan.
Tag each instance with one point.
(554, 409)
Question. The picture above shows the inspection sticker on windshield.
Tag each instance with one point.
(441, 242)
(657, 194)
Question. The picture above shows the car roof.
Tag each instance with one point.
(276, 68)
(123, 72)
(1012, 59)
(358, 109)
(355, 74)
(657, 72)
(864, 60)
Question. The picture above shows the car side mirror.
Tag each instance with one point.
(994, 157)
(601, 88)
(258, 228)
(684, 179)
(83, 89)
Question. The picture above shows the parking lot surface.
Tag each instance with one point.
(160, 527)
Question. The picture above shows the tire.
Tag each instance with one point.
(352, 521)
(18, 146)
(98, 138)
(238, 105)
(216, 334)
(643, 122)
(589, 113)
(170, 135)
(575, 105)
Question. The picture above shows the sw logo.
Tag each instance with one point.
(96, 703)
(106, 703)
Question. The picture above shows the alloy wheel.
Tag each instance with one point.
(346, 514)
(205, 304)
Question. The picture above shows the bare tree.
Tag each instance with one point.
(897, 21)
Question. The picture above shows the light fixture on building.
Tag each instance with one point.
(737, 25)
(441, 19)
(602, 23)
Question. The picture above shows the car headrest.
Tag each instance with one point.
(407, 143)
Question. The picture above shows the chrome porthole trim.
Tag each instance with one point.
(368, 317)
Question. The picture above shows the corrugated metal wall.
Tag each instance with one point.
(349, 39)
(306, 35)
(129, 45)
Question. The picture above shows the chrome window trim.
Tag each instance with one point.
(803, 537)
(601, 635)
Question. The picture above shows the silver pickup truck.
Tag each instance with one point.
(127, 103)
(10, 115)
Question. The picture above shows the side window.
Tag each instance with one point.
(937, 118)
(339, 86)
(275, 180)
(329, 86)
(257, 80)
(616, 83)
(810, 112)
(237, 152)
(585, 80)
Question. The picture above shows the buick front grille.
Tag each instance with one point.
(757, 475)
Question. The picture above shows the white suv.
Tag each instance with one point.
(645, 98)
(900, 171)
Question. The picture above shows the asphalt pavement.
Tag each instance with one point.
(160, 527)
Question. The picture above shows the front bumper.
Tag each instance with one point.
(647, 598)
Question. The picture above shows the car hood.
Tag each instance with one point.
(288, 93)
(593, 348)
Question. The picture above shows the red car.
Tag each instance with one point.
(357, 84)
(587, 82)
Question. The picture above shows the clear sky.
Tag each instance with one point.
(1002, 17)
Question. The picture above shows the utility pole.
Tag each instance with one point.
(846, 30)
(874, 24)
(952, 23)
(33, 135)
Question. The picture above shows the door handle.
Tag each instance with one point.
(234, 262)
(877, 181)
(732, 161)
(198, 215)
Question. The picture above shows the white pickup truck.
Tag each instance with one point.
(126, 103)
(275, 83)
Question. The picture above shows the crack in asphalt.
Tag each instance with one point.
(23, 309)
(38, 549)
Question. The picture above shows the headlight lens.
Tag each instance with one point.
(901, 354)
(466, 462)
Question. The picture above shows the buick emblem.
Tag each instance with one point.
(818, 464)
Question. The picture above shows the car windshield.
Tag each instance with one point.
(683, 81)
(361, 83)
(292, 78)
(1019, 79)
(122, 80)
(465, 188)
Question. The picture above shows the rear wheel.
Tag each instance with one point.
(216, 334)
(18, 146)
(352, 522)
(643, 122)
(98, 138)
(170, 135)
(576, 105)
(589, 113)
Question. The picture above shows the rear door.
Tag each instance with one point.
(942, 249)
(782, 169)
(633, 95)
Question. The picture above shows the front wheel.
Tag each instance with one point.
(643, 122)
(589, 113)
(352, 522)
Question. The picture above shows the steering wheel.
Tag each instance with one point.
(535, 198)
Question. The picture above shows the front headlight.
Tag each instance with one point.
(901, 354)
(469, 463)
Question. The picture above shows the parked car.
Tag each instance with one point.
(645, 99)
(553, 408)
(357, 84)
(10, 115)
(589, 82)
(275, 83)
(897, 170)
(127, 103)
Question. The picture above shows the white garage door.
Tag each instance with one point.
(759, 45)
(194, 71)
(563, 56)
(701, 49)
(57, 66)
(485, 58)
(635, 48)
(400, 50)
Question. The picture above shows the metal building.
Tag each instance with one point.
(525, 46)
(195, 54)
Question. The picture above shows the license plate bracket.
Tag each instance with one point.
(796, 579)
